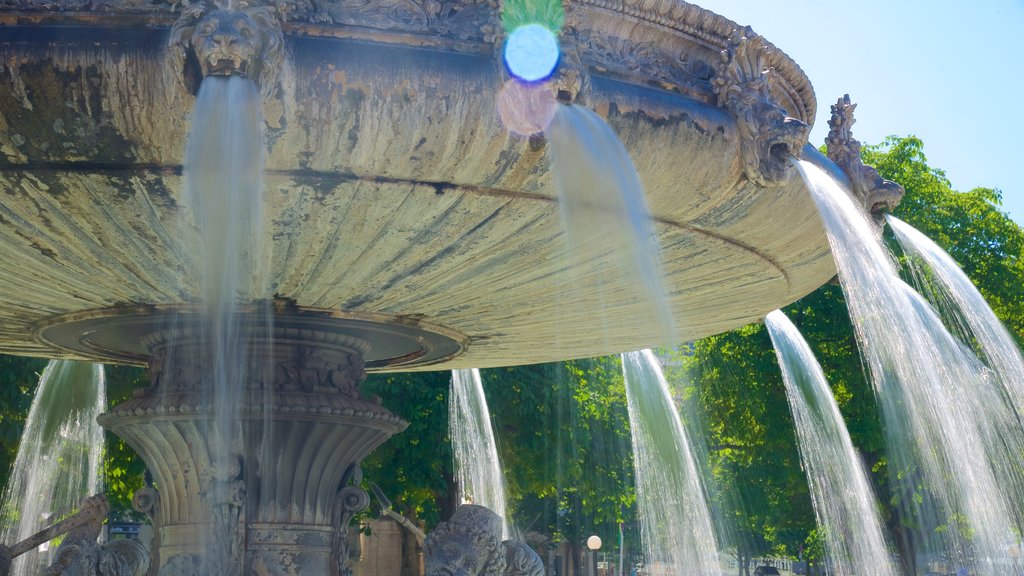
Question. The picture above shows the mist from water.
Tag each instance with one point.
(477, 463)
(934, 394)
(844, 504)
(59, 460)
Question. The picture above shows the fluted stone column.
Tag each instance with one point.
(271, 494)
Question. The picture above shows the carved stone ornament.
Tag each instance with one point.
(521, 560)
(228, 38)
(351, 500)
(768, 136)
(469, 544)
(226, 495)
(571, 82)
(876, 194)
(80, 555)
(146, 500)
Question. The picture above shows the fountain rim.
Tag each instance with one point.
(694, 24)
(99, 334)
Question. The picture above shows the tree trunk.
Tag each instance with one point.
(908, 551)
(410, 548)
(574, 553)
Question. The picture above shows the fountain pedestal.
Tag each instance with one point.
(269, 493)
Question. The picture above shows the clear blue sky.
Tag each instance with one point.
(948, 71)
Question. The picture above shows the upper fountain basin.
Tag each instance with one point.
(393, 192)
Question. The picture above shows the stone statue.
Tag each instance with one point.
(876, 194)
(521, 560)
(80, 555)
(768, 137)
(226, 495)
(469, 544)
(228, 38)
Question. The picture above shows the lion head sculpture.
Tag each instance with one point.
(210, 39)
(469, 544)
(768, 136)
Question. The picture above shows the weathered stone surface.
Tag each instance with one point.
(469, 544)
(392, 191)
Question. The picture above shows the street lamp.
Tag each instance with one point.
(593, 544)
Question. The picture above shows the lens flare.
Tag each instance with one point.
(531, 52)
(526, 109)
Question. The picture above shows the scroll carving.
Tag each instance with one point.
(351, 500)
(768, 136)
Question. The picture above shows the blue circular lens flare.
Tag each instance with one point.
(531, 52)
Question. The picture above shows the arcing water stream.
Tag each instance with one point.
(477, 463)
(675, 523)
(844, 504)
(59, 460)
(935, 398)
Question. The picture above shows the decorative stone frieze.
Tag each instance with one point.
(876, 194)
(768, 136)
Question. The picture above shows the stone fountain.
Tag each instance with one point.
(409, 229)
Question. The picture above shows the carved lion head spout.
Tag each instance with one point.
(876, 194)
(768, 136)
(210, 39)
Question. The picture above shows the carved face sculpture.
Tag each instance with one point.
(467, 545)
(210, 40)
(778, 137)
(880, 195)
(227, 42)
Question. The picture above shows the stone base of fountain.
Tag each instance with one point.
(272, 494)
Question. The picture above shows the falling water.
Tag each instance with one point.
(605, 215)
(937, 276)
(675, 524)
(933, 393)
(59, 459)
(844, 504)
(224, 161)
(965, 311)
(477, 465)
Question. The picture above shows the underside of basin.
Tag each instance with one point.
(394, 196)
